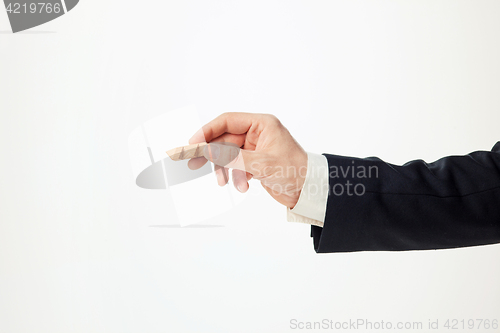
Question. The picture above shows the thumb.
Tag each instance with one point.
(229, 155)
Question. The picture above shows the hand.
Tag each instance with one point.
(268, 153)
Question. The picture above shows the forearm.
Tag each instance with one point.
(453, 202)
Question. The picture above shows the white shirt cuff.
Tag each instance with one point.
(311, 206)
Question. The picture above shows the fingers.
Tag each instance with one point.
(225, 135)
(232, 123)
(224, 157)
(196, 163)
(230, 156)
(222, 175)
(240, 180)
(198, 137)
(221, 153)
(238, 140)
(240, 177)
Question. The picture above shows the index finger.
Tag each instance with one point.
(231, 122)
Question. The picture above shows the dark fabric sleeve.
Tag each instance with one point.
(453, 202)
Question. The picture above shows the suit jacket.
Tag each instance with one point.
(453, 202)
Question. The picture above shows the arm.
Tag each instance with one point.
(453, 202)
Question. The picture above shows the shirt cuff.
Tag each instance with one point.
(311, 206)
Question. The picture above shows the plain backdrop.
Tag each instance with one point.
(82, 249)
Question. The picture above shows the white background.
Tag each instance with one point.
(79, 250)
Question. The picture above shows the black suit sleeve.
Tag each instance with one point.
(453, 202)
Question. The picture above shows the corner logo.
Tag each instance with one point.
(28, 14)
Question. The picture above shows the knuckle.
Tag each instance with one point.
(273, 120)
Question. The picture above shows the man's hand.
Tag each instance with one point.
(268, 153)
